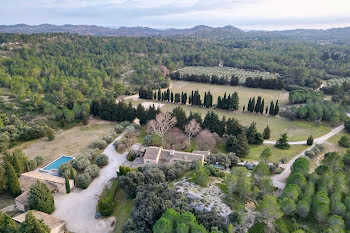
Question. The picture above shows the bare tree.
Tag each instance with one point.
(191, 130)
(175, 139)
(129, 138)
(205, 140)
(161, 125)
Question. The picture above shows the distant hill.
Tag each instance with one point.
(201, 30)
(122, 31)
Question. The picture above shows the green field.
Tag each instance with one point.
(244, 93)
(123, 206)
(277, 154)
(225, 72)
(332, 143)
(297, 130)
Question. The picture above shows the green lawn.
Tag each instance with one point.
(332, 143)
(277, 154)
(123, 206)
(297, 130)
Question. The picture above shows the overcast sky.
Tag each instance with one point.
(245, 14)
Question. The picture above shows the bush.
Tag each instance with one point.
(132, 155)
(119, 128)
(65, 169)
(148, 140)
(81, 163)
(136, 126)
(102, 160)
(257, 228)
(93, 170)
(310, 141)
(39, 160)
(105, 207)
(130, 128)
(344, 141)
(32, 164)
(125, 123)
(100, 144)
(83, 180)
(320, 146)
(107, 139)
(310, 154)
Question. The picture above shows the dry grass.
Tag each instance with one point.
(69, 142)
(332, 143)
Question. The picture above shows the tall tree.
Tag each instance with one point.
(33, 225)
(191, 130)
(40, 198)
(269, 210)
(12, 180)
(161, 125)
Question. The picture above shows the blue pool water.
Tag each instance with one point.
(58, 162)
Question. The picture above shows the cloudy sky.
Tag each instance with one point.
(245, 14)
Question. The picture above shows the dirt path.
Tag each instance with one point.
(78, 208)
(136, 96)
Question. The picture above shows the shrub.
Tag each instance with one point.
(102, 160)
(93, 170)
(130, 128)
(119, 128)
(107, 139)
(105, 206)
(132, 155)
(81, 163)
(83, 180)
(316, 150)
(65, 169)
(310, 154)
(100, 144)
(39, 160)
(148, 140)
(125, 123)
(136, 126)
(32, 164)
(257, 228)
(113, 134)
(344, 141)
(310, 141)
(320, 146)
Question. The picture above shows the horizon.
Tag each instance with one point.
(267, 15)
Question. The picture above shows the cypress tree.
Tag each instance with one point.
(267, 110)
(12, 180)
(277, 109)
(272, 108)
(249, 104)
(235, 101)
(18, 167)
(27, 166)
(172, 97)
(205, 99)
(67, 184)
(155, 95)
(252, 107)
(262, 107)
(243, 108)
(33, 225)
(258, 105)
(159, 94)
(40, 198)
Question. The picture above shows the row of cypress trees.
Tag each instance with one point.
(259, 107)
(230, 102)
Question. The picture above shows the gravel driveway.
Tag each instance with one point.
(79, 207)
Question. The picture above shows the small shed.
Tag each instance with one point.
(55, 224)
(22, 203)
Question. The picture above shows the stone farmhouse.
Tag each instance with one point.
(157, 155)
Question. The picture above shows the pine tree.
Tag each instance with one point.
(40, 198)
(310, 140)
(67, 184)
(33, 225)
(242, 147)
(267, 132)
(282, 142)
(12, 180)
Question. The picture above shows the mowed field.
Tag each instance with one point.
(297, 130)
(69, 142)
(244, 93)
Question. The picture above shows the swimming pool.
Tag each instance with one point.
(54, 165)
